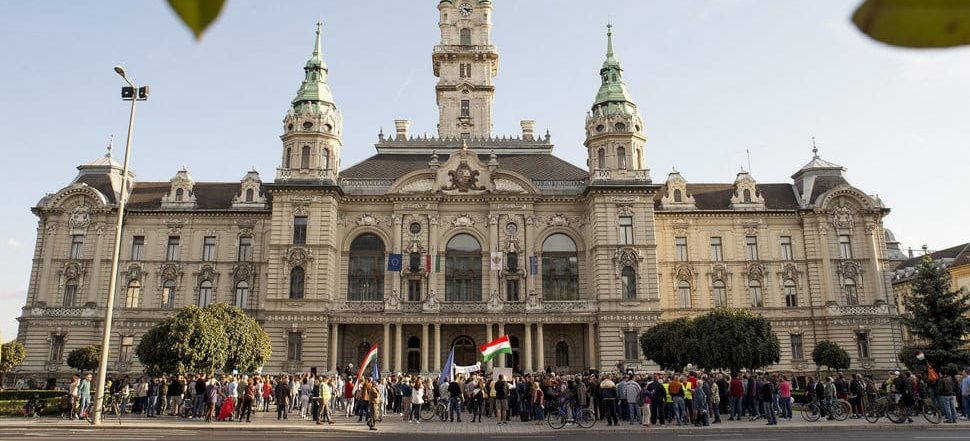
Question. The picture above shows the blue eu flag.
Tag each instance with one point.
(394, 262)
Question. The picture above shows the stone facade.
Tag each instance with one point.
(495, 236)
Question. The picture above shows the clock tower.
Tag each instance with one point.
(465, 62)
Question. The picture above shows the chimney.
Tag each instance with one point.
(528, 129)
(401, 126)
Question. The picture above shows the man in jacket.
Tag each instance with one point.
(767, 392)
(631, 395)
(659, 395)
(608, 395)
(370, 399)
(282, 396)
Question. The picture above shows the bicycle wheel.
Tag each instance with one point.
(895, 413)
(875, 411)
(118, 412)
(427, 411)
(556, 420)
(811, 412)
(442, 411)
(841, 410)
(932, 414)
(585, 418)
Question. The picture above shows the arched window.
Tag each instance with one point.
(205, 293)
(70, 292)
(562, 354)
(297, 280)
(305, 157)
(512, 360)
(414, 354)
(463, 269)
(628, 279)
(560, 268)
(326, 158)
(683, 294)
(754, 292)
(465, 351)
(601, 158)
(241, 298)
(365, 278)
(286, 157)
(179, 195)
(621, 158)
(465, 37)
(168, 294)
(851, 291)
(249, 195)
(678, 195)
(720, 294)
(747, 196)
(791, 296)
(132, 294)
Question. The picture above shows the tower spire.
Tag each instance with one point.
(314, 92)
(609, 40)
(613, 95)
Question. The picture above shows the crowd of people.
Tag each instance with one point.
(689, 398)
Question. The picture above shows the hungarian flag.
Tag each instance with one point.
(500, 345)
(432, 264)
(371, 356)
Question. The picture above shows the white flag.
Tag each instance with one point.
(497, 258)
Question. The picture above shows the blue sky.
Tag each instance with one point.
(712, 79)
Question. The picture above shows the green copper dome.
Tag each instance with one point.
(314, 92)
(612, 95)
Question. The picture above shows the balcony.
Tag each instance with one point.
(361, 306)
(568, 306)
(305, 174)
(848, 310)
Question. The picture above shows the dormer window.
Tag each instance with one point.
(179, 195)
(249, 195)
(678, 196)
(747, 196)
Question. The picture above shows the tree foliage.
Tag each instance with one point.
(722, 339)
(831, 355)
(937, 317)
(84, 359)
(197, 14)
(12, 353)
(215, 338)
(915, 23)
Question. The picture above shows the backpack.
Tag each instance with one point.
(931, 374)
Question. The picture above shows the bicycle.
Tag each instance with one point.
(837, 409)
(582, 417)
(900, 412)
(110, 403)
(876, 409)
(438, 409)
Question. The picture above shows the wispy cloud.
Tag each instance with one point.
(14, 244)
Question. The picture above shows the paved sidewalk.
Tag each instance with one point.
(395, 424)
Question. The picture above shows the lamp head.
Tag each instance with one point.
(120, 71)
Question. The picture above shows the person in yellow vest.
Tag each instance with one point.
(688, 399)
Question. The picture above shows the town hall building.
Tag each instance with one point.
(453, 240)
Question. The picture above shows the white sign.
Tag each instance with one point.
(506, 373)
(465, 370)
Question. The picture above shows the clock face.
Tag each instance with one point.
(465, 9)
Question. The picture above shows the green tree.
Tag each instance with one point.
(191, 341)
(936, 315)
(915, 23)
(668, 343)
(12, 353)
(249, 345)
(831, 355)
(729, 338)
(84, 359)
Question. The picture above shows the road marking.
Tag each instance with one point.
(940, 437)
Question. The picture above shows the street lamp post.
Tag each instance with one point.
(133, 94)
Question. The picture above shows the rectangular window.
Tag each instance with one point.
(294, 346)
(464, 70)
(208, 248)
(465, 109)
(57, 347)
(751, 247)
(512, 290)
(717, 253)
(77, 246)
(862, 344)
(245, 248)
(299, 230)
(137, 247)
(845, 246)
(172, 252)
(630, 345)
(626, 230)
(786, 250)
(124, 353)
(797, 353)
(680, 246)
(414, 290)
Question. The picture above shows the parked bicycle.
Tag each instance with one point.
(836, 409)
(438, 409)
(111, 406)
(900, 412)
(581, 417)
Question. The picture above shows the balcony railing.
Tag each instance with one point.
(567, 305)
(361, 306)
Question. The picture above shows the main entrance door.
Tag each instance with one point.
(466, 352)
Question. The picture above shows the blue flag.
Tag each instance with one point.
(533, 265)
(448, 370)
(376, 373)
(394, 262)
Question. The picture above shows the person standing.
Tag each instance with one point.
(151, 405)
(767, 391)
(646, 399)
(659, 396)
(248, 400)
(501, 400)
(784, 397)
(476, 399)
(211, 396)
(282, 396)
(84, 394)
(417, 400)
(965, 394)
(455, 400)
(608, 395)
(369, 399)
(699, 403)
(631, 394)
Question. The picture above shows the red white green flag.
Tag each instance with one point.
(371, 356)
(500, 345)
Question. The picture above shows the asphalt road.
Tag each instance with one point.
(136, 434)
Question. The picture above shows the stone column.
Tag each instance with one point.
(878, 278)
(501, 332)
(590, 346)
(335, 346)
(386, 356)
(530, 282)
(437, 346)
(829, 291)
(398, 347)
(424, 348)
(433, 251)
(492, 284)
(488, 338)
(396, 246)
(540, 349)
(528, 347)
(96, 273)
